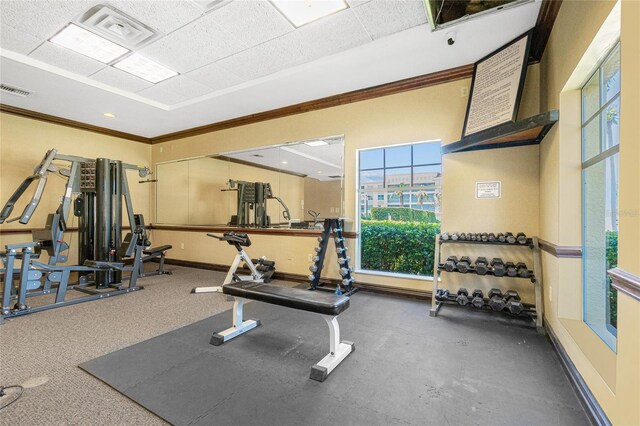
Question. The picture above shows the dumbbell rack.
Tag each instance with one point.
(536, 278)
(335, 226)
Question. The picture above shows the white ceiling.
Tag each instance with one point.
(240, 59)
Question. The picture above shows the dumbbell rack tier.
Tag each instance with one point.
(536, 278)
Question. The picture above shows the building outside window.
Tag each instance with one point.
(600, 159)
(399, 191)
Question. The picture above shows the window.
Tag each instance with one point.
(600, 157)
(398, 229)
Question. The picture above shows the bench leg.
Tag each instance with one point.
(239, 326)
(337, 351)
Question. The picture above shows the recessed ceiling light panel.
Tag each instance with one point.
(144, 68)
(316, 143)
(301, 12)
(89, 44)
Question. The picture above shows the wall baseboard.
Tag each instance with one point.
(286, 276)
(590, 404)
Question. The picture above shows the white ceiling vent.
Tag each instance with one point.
(116, 26)
(14, 91)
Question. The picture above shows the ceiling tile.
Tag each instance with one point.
(254, 21)
(66, 59)
(158, 94)
(335, 33)
(17, 41)
(184, 86)
(193, 46)
(356, 3)
(266, 58)
(120, 79)
(41, 19)
(164, 16)
(384, 17)
(215, 77)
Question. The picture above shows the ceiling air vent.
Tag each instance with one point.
(116, 26)
(14, 91)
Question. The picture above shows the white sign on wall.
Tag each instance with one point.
(488, 189)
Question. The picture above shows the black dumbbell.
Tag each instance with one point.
(508, 236)
(478, 298)
(512, 271)
(442, 295)
(463, 237)
(496, 301)
(444, 236)
(348, 282)
(482, 266)
(523, 271)
(464, 264)
(455, 236)
(345, 271)
(514, 305)
(501, 238)
(497, 265)
(463, 297)
(484, 237)
(491, 237)
(521, 238)
(343, 260)
(450, 263)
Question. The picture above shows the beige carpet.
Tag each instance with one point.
(48, 346)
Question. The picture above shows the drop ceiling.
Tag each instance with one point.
(241, 58)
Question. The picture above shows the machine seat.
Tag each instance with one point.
(103, 264)
(157, 250)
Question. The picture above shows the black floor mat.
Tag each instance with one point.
(462, 367)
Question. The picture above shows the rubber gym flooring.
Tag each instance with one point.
(463, 367)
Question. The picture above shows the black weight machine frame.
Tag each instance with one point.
(253, 196)
(101, 185)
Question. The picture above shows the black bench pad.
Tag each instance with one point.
(296, 298)
(158, 249)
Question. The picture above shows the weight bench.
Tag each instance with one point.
(328, 305)
(152, 253)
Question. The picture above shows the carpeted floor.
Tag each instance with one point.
(463, 367)
(48, 347)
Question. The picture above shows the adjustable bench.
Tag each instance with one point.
(152, 253)
(328, 305)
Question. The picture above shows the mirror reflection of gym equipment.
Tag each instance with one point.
(252, 208)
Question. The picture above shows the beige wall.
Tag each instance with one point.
(432, 113)
(23, 144)
(573, 51)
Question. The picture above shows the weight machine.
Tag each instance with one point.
(252, 203)
(101, 187)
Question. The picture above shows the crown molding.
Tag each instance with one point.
(20, 112)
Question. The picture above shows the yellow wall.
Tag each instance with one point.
(575, 45)
(432, 113)
(23, 144)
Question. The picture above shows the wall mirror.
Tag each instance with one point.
(293, 185)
